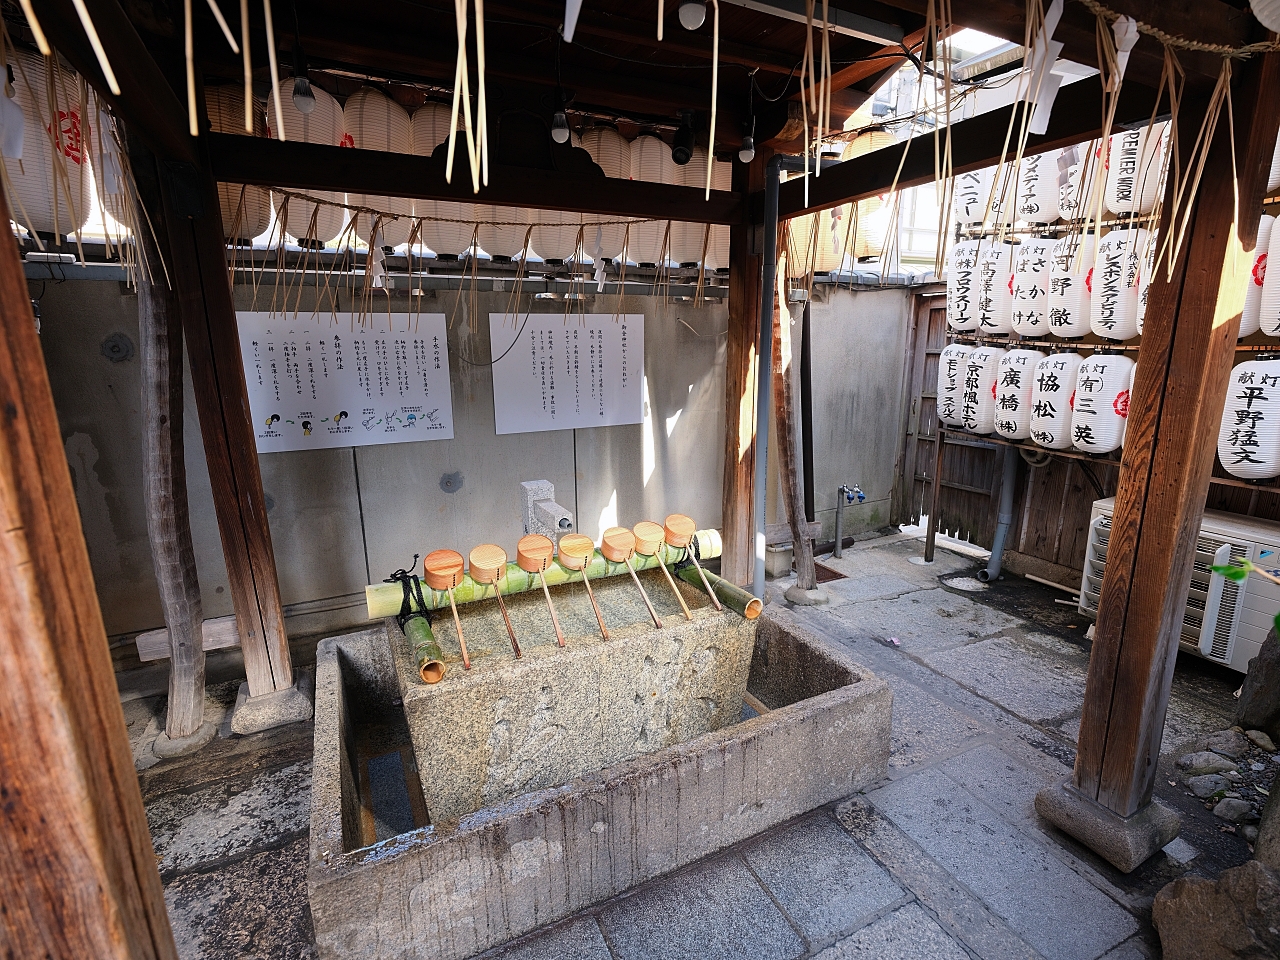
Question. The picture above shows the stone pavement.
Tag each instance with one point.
(946, 858)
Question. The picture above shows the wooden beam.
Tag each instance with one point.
(309, 166)
(78, 873)
(146, 102)
(164, 480)
(737, 558)
(1188, 345)
(975, 143)
(189, 225)
(1207, 21)
(786, 421)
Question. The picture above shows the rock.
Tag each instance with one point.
(1204, 762)
(1232, 809)
(1260, 739)
(1249, 832)
(1255, 766)
(1267, 846)
(1259, 705)
(1232, 918)
(1233, 775)
(1206, 786)
(1230, 742)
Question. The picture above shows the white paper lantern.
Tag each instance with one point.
(323, 125)
(1070, 280)
(718, 249)
(555, 235)
(1273, 179)
(612, 153)
(1031, 264)
(1251, 316)
(1073, 194)
(1113, 304)
(253, 204)
(1053, 395)
(969, 196)
(800, 238)
(1135, 169)
(978, 396)
(962, 285)
(651, 161)
(1038, 188)
(1147, 269)
(953, 364)
(995, 287)
(451, 234)
(1267, 13)
(1269, 301)
(686, 236)
(374, 121)
(868, 141)
(1013, 393)
(1004, 197)
(1102, 403)
(501, 231)
(1249, 437)
(872, 227)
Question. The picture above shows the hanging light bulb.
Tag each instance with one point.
(693, 14)
(560, 126)
(682, 143)
(747, 152)
(303, 98)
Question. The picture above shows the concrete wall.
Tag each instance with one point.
(342, 518)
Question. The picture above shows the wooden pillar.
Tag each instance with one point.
(1188, 345)
(78, 872)
(164, 477)
(786, 370)
(737, 561)
(190, 229)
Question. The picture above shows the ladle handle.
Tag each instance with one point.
(711, 593)
(515, 644)
(676, 590)
(644, 596)
(466, 658)
(554, 619)
(604, 631)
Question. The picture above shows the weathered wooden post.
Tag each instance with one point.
(1188, 344)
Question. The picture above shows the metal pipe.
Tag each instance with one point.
(1005, 518)
(845, 494)
(764, 363)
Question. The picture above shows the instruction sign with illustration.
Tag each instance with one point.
(324, 381)
(558, 372)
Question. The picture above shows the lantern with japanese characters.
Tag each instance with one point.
(1113, 303)
(1004, 197)
(1146, 270)
(1073, 189)
(650, 160)
(1102, 403)
(246, 209)
(374, 121)
(962, 286)
(1013, 393)
(1135, 169)
(1251, 315)
(995, 287)
(953, 363)
(1249, 437)
(969, 196)
(1053, 393)
(978, 396)
(1031, 260)
(1070, 279)
(612, 153)
(1038, 188)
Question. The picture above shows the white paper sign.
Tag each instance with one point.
(560, 373)
(324, 381)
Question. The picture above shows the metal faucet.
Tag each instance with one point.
(845, 494)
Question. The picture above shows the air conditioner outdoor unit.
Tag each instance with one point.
(1224, 621)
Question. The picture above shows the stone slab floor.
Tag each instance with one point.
(945, 858)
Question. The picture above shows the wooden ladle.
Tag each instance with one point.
(649, 538)
(575, 553)
(679, 533)
(488, 565)
(618, 545)
(442, 570)
(533, 554)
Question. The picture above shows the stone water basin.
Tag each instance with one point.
(535, 788)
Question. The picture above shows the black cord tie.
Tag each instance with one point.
(690, 550)
(412, 590)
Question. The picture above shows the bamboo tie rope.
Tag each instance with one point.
(533, 554)
(442, 569)
(575, 553)
(649, 538)
(617, 546)
(488, 565)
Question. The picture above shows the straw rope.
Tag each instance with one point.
(1182, 43)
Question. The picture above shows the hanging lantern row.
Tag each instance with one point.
(1052, 186)
(371, 120)
(1059, 400)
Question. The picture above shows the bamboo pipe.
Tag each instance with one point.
(488, 563)
(680, 532)
(384, 599)
(533, 555)
(649, 540)
(735, 597)
(617, 545)
(576, 552)
(442, 570)
(426, 649)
